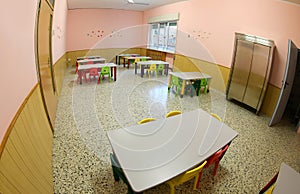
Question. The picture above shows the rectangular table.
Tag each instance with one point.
(133, 58)
(144, 64)
(154, 152)
(89, 61)
(84, 69)
(188, 76)
(88, 57)
(118, 57)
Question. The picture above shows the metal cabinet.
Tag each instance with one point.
(250, 70)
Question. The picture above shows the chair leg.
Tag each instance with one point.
(116, 176)
(216, 167)
(172, 188)
(199, 180)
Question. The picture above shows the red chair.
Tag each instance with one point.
(93, 72)
(214, 159)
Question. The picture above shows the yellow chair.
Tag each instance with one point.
(152, 68)
(172, 113)
(216, 116)
(194, 173)
(146, 120)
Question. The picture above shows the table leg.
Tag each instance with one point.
(135, 68)
(115, 73)
(124, 61)
(182, 88)
(128, 63)
(142, 70)
(167, 69)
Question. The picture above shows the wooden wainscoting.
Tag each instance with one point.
(26, 151)
(60, 67)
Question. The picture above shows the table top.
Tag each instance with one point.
(96, 65)
(287, 181)
(138, 57)
(88, 57)
(127, 55)
(151, 62)
(93, 60)
(190, 75)
(155, 152)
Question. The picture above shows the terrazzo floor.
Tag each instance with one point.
(86, 112)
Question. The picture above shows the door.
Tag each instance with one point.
(44, 66)
(287, 83)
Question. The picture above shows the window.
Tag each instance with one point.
(162, 36)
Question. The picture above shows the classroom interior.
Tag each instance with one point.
(64, 147)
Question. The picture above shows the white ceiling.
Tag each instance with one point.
(118, 4)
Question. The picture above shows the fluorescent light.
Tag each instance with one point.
(130, 1)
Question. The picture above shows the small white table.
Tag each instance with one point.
(154, 152)
(94, 60)
(84, 68)
(118, 57)
(188, 76)
(88, 57)
(144, 64)
(288, 181)
(133, 58)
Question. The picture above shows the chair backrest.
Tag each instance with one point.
(137, 60)
(189, 174)
(105, 70)
(93, 72)
(90, 62)
(217, 156)
(203, 82)
(216, 116)
(152, 67)
(175, 80)
(161, 67)
(146, 120)
(172, 113)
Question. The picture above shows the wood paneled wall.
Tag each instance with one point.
(26, 151)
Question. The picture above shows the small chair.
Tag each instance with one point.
(203, 84)
(105, 71)
(194, 173)
(146, 120)
(175, 82)
(160, 68)
(214, 159)
(152, 68)
(172, 113)
(216, 116)
(118, 173)
(81, 75)
(268, 188)
(93, 72)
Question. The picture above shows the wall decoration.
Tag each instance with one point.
(95, 33)
(200, 35)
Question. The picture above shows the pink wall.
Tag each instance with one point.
(59, 29)
(18, 53)
(85, 27)
(17, 57)
(216, 23)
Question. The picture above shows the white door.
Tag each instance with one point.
(287, 83)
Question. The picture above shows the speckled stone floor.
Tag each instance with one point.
(85, 112)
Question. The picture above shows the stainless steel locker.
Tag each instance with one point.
(250, 69)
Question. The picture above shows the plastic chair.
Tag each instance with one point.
(118, 173)
(93, 72)
(146, 120)
(175, 82)
(152, 68)
(216, 116)
(214, 159)
(160, 68)
(203, 84)
(105, 71)
(194, 173)
(80, 75)
(172, 113)
(268, 188)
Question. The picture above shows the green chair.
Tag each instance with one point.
(160, 68)
(105, 71)
(175, 82)
(118, 172)
(203, 84)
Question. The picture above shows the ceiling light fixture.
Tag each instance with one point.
(130, 1)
